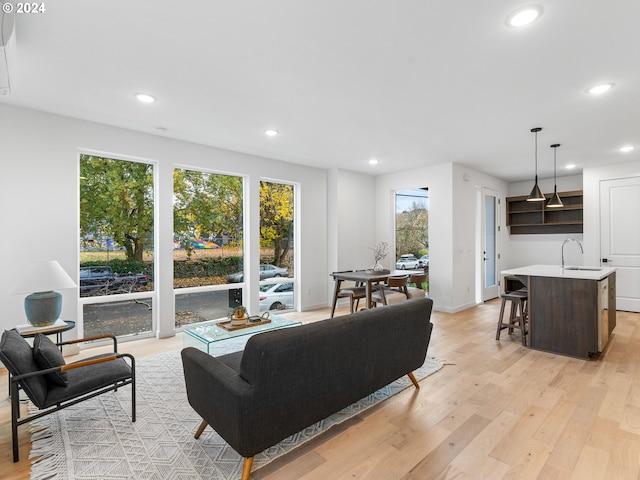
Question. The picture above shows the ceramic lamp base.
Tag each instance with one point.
(43, 308)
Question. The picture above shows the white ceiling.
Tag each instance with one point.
(409, 82)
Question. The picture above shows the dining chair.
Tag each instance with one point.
(417, 279)
(394, 290)
(354, 294)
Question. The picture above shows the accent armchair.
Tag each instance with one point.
(51, 384)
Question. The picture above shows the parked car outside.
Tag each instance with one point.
(266, 271)
(278, 296)
(407, 261)
(100, 280)
(424, 262)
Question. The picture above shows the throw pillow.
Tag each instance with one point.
(48, 355)
(17, 355)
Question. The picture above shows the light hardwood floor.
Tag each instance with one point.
(500, 412)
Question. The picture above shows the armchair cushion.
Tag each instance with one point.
(48, 355)
(88, 379)
(16, 354)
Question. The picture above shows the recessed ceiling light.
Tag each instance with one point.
(373, 161)
(271, 133)
(600, 89)
(524, 16)
(145, 98)
(626, 148)
(570, 166)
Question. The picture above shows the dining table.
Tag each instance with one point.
(368, 278)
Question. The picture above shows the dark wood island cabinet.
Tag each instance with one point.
(571, 311)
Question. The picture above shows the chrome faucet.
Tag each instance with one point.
(567, 241)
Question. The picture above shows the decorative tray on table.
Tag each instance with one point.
(251, 322)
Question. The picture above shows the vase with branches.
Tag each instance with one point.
(380, 251)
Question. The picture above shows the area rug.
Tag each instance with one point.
(96, 440)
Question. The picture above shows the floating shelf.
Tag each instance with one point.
(525, 217)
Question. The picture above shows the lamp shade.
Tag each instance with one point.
(555, 201)
(43, 306)
(42, 277)
(536, 194)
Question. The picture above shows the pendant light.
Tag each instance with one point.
(536, 194)
(554, 201)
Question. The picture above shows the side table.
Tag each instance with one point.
(58, 330)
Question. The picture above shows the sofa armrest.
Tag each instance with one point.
(218, 394)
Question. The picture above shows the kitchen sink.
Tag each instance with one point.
(587, 269)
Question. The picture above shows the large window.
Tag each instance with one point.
(116, 245)
(117, 226)
(412, 230)
(208, 244)
(276, 246)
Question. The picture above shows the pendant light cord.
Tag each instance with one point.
(555, 185)
(536, 154)
(536, 194)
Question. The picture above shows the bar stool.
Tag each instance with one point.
(518, 299)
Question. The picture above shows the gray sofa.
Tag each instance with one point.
(288, 379)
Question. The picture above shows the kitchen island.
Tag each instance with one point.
(572, 310)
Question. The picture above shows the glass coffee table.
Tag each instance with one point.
(204, 336)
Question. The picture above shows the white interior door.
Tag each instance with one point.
(489, 263)
(620, 238)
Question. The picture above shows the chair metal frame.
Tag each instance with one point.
(14, 382)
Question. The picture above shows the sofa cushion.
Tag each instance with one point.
(48, 355)
(16, 354)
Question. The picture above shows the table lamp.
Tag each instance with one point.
(44, 305)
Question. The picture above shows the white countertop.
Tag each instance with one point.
(589, 273)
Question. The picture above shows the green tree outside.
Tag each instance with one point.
(206, 205)
(276, 219)
(412, 230)
(116, 201)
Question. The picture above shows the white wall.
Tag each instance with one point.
(452, 227)
(351, 222)
(39, 185)
(356, 220)
(543, 249)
